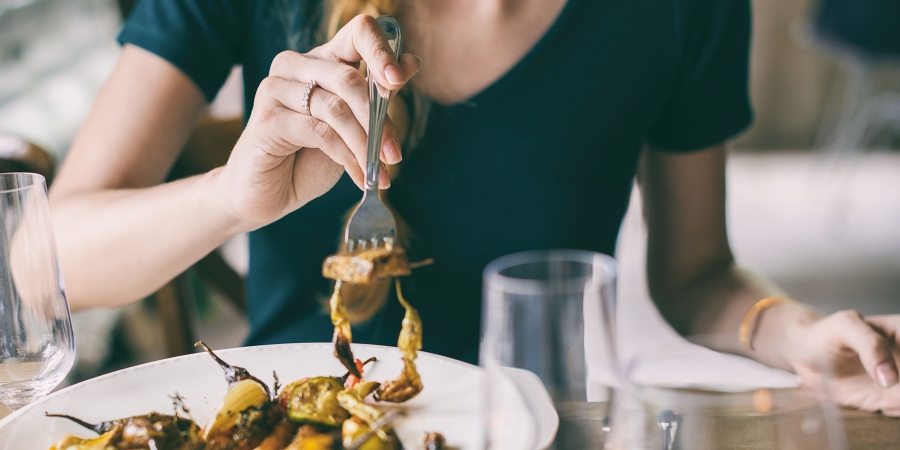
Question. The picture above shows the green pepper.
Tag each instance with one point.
(315, 401)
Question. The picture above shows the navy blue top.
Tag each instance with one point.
(542, 158)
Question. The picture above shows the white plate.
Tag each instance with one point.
(450, 403)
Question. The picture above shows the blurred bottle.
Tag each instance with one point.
(18, 155)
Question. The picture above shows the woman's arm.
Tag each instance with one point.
(121, 234)
(691, 272)
(700, 290)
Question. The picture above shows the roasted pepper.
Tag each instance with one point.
(409, 384)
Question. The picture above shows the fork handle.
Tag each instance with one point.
(377, 112)
(379, 98)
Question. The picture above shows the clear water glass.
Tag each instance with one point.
(37, 348)
(547, 344)
(650, 416)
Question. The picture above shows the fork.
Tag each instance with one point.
(372, 224)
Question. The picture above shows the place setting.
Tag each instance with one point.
(460, 225)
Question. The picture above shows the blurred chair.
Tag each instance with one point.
(865, 36)
(208, 147)
(17, 155)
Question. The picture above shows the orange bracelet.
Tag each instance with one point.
(748, 325)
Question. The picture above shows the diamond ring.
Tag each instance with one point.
(304, 104)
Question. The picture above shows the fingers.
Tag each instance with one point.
(889, 325)
(411, 65)
(345, 82)
(289, 131)
(363, 39)
(390, 148)
(331, 119)
(875, 350)
(859, 392)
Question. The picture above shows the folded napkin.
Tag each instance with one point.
(648, 350)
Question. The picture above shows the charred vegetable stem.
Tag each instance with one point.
(98, 428)
(343, 335)
(233, 374)
(365, 363)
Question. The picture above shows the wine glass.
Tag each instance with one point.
(547, 348)
(37, 347)
(652, 414)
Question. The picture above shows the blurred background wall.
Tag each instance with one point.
(790, 77)
(54, 55)
(824, 224)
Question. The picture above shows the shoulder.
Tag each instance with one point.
(703, 14)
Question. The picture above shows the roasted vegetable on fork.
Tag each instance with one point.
(361, 268)
(343, 335)
(365, 266)
(409, 384)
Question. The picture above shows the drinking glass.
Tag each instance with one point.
(547, 348)
(648, 416)
(37, 348)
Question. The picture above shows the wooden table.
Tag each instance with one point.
(582, 424)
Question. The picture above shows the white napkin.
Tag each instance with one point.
(650, 349)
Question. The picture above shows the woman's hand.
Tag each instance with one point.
(287, 155)
(862, 353)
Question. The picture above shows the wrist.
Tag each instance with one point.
(782, 333)
(215, 185)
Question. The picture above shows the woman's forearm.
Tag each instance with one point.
(118, 246)
(710, 312)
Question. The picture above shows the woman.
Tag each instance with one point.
(535, 117)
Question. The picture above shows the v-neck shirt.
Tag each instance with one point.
(544, 157)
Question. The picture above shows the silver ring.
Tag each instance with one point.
(304, 104)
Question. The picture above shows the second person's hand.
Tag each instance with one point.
(288, 155)
(861, 355)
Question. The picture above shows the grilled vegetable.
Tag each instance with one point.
(435, 441)
(242, 396)
(284, 398)
(103, 442)
(309, 438)
(280, 436)
(252, 426)
(233, 374)
(343, 335)
(352, 400)
(354, 429)
(164, 431)
(409, 384)
(315, 401)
